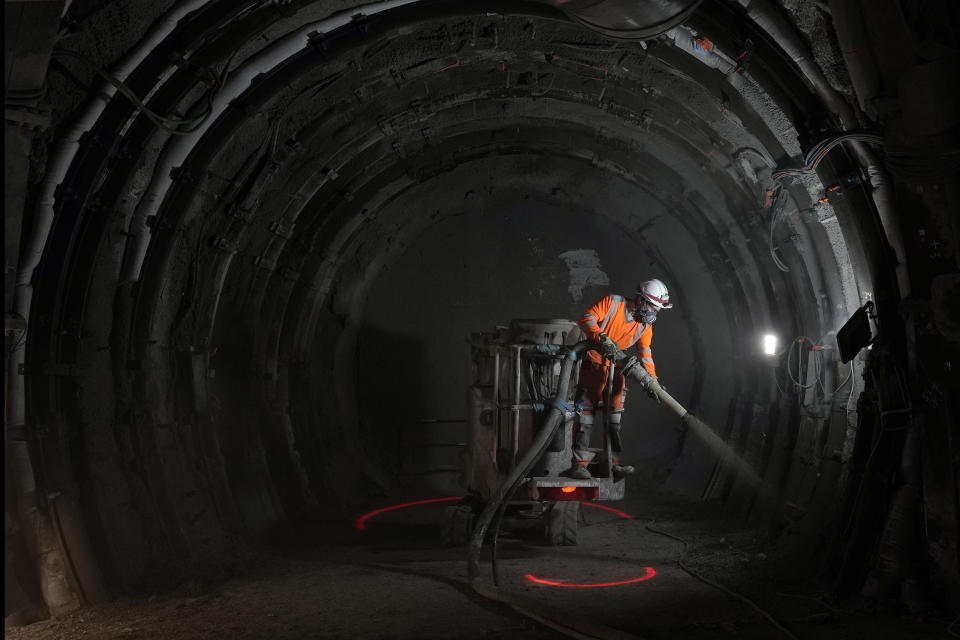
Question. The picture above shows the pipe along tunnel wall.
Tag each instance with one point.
(227, 327)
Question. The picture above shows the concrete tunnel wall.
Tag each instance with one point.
(318, 257)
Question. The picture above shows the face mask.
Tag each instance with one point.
(646, 314)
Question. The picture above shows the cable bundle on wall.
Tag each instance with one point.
(815, 154)
(172, 124)
(796, 373)
(776, 217)
(819, 151)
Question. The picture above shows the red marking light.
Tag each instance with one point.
(622, 514)
(361, 522)
(648, 572)
(568, 492)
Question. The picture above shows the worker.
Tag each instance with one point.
(616, 323)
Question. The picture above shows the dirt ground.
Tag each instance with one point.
(396, 581)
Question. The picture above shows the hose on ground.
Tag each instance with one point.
(564, 622)
(717, 585)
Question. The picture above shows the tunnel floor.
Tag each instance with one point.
(395, 580)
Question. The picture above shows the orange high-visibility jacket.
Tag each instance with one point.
(609, 315)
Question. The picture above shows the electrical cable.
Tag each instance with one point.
(717, 585)
(766, 159)
(164, 122)
(816, 153)
(849, 376)
(797, 340)
(774, 219)
(819, 151)
(800, 388)
(788, 173)
(819, 368)
(174, 125)
(847, 379)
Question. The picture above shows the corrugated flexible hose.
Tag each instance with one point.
(520, 471)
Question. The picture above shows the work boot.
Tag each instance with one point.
(621, 470)
(579, 472)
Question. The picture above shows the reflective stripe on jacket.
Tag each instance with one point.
(609, 315)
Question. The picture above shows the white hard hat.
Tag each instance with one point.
(655, 292)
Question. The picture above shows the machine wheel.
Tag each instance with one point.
(563, 522)
(457, 525)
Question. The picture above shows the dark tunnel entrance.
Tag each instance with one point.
(508, 247)
(251, 264)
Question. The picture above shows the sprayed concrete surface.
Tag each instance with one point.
(395, 580)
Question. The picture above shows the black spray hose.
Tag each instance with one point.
(495, 536)
(497, 503)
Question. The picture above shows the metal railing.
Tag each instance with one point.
(404, 447)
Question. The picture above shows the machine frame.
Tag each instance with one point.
(515, 379)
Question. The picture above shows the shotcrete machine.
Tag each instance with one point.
(520, 436)
(516, 374)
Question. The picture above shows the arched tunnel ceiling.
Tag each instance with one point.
(633, 106)
(212, 282)
(276, 201)
(331, 147)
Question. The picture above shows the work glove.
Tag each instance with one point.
(608, 347)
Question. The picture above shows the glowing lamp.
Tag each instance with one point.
(568, 489)
(770, 344)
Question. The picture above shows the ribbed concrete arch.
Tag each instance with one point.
(262, 169)
(211, 284)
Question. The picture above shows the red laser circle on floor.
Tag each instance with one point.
(361, 522)
(622, 514)
(648, 572)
